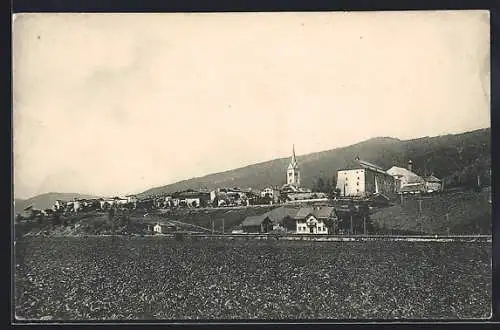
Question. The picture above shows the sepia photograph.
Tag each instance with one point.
(279, 166)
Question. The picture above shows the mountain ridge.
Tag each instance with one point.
(385, 151)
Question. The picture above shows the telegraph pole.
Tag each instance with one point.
(111, 218)
(420, 205)
(364, 224)
(352, 232)
(222, 226)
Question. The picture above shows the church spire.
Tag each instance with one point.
(293, 154)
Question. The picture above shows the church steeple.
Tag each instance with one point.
(293, 172)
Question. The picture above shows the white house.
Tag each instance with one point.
(267, 191)
(157, 228)
(58, 205)
(311, 220)
(131, 198)
(76, 206)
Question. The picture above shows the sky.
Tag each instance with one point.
(109, 104)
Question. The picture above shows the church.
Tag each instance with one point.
(292, 184)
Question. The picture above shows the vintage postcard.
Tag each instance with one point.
(252, 166)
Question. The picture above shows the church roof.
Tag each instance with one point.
(293, 163)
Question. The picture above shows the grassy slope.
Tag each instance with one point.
(203, 218)
(468, 213)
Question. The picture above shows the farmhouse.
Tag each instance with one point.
(314, 220)
(257, 224)
(364, 179)
(433, 184)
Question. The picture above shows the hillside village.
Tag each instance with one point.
(342, 207)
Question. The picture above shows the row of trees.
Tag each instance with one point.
(328, 186)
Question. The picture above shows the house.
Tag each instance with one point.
(190, 198)
(314, 220)
(77, 205)
(229, 196)
(272, 193)
(284, 217)
(433, 184)
(157, 228)
(364, 179)
(408, 181)
(257, 224)
(131, 199)
(59, 205)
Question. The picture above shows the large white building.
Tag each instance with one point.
(364, 179)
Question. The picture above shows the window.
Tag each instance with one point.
(357, 183)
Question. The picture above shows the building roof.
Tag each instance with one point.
(277, 215)
(360, 164)
(320, 213)
(412, 187)
(306, 195)
(432, 178)
(401, 171)
(255, 220)
(366, 164)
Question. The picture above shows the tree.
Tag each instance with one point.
(320, 185)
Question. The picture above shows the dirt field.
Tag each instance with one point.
(71, 278)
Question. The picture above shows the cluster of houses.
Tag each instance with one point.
(81, 205)
(360, 181)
